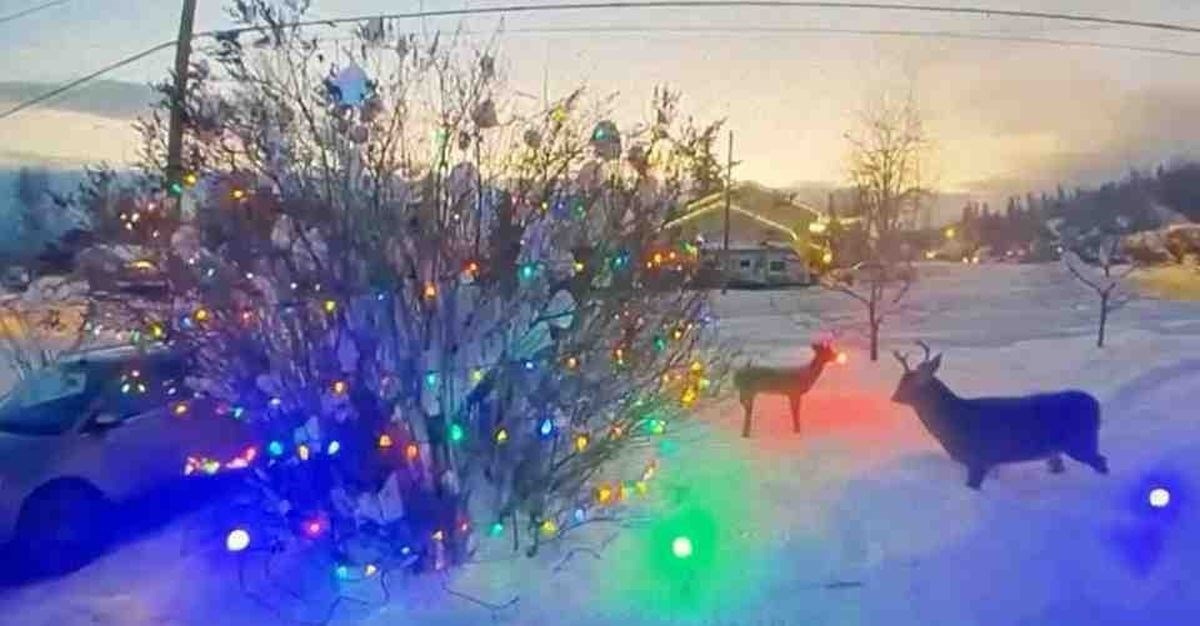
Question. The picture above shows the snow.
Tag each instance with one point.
(859, 520)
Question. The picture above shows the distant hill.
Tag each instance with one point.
(946, 207)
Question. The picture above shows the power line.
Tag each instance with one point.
(679, 4)
(61, 89)
(31, 10)
(558, 7)
(819, 30)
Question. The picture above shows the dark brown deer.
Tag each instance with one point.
(981, 433)
(792, 382)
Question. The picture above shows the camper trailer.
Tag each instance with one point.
(757, 266)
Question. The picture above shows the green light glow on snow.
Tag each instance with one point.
(694, 557)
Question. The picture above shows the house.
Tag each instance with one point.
(772, 228)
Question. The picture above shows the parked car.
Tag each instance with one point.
(97, 429)
(122, 270)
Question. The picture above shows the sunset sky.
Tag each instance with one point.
(1005, 116)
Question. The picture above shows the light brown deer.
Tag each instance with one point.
(792, 382)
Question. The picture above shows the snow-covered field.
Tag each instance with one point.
(859, 520)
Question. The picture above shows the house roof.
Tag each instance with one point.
(766, 207)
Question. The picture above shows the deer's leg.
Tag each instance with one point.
(795, 412)
(975, 474)
(1055, 463)
(748, 406)
(1088, 453)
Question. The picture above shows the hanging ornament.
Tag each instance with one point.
(484, 115)
(372, 109)
(487, 67)
(349, 87)
(638, 158)
(464, 141)
(606, 140)
(533, 139)
(589, 177)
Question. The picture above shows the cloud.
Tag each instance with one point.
(104, 98)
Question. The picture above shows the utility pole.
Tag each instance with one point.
(183, 51)
(728, 200)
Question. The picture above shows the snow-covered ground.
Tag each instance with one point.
(859, 520)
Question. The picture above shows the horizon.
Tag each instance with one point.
(1005, 118)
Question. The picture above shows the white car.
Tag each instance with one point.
(94, 430)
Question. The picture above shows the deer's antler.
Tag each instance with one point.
(903, 358)
(924, 347)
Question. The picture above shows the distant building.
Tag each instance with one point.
(762, 264)
(774, 239)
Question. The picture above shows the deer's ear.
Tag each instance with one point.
(935, 364)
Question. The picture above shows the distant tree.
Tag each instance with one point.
(31, 191)
(885, 154)
(1104, 279)
(1179, 189)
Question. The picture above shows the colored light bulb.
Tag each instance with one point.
(237, 540)
(681, 547)
(275, 448)
(385, 441)
(334, 447)
(456, 433)
(546, 427)
(411, 451)
(501, 435)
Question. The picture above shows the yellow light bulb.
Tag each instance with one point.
(501, 436)
(330, 306)
(385, 441)
(581, 443)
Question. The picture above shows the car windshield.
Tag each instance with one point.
(47, 402)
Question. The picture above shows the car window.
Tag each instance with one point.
(48, 402)
(141, 385)
(48, 385)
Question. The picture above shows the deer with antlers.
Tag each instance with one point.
(981, 433)
(792, 382)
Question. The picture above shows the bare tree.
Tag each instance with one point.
(1108, 275)
(885, 163)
